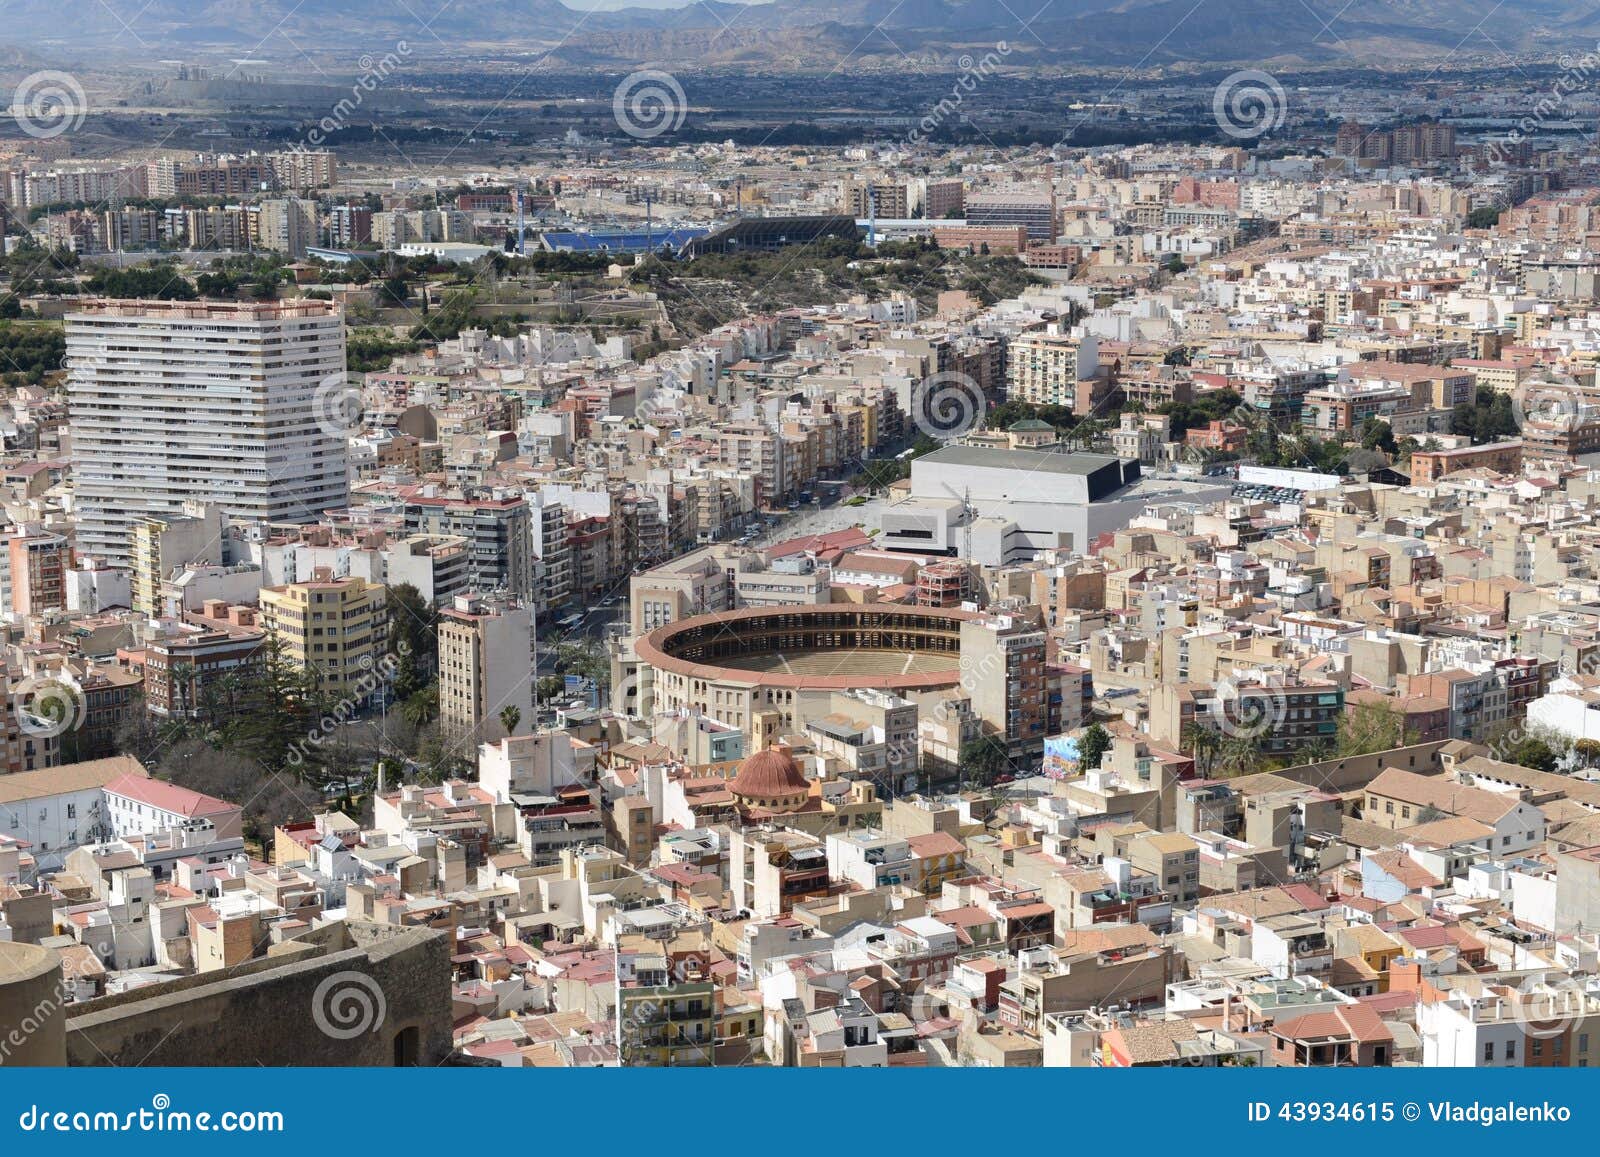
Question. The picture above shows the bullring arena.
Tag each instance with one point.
(734, 663)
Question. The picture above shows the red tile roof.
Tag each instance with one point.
(168, 797)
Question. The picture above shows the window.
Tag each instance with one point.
(1488, 1052)
(1511, 1050)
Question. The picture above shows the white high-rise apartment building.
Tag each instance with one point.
(238, 404)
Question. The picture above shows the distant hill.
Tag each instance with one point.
(821, 33)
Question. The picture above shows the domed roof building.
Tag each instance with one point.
(772, 780)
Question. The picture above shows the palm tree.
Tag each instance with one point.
(231, 686)
(510, 716)
(1317, 751)
(1240, 754)
(1205, 745)
(422, 708)
(183, 675)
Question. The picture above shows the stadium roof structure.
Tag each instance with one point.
(769, 234)
(572, 241)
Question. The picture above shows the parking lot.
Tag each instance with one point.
(822, 520)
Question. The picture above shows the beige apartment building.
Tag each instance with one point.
(333, 628)
(486, 657)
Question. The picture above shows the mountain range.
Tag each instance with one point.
(818, 33)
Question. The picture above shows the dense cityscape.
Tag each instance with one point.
(687, 558)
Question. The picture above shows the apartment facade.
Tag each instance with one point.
(173, 402)
(486, 655)
(333, 628)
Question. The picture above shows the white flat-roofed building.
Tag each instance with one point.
(1016, 503)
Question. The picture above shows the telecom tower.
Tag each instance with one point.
(522, 231)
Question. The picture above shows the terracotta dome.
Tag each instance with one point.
(770, 775)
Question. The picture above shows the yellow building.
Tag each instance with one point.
(331, 627)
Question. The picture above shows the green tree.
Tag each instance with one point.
(413, 625)
(510, 717)
(1376, 434)
(983, 760)
(395, 291)
(547, 688)
(1204, 744)
(1367, 728)
(162, 282)
(279, 709)
(1532, 751)
(1092, 746)
(422, 708)
(1240, 755)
